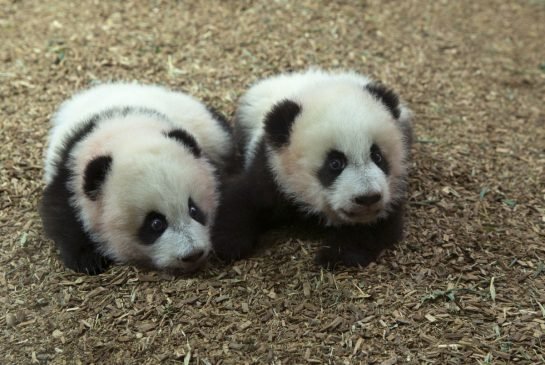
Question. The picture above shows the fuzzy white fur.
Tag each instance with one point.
(184, 110)
(149, 172)
(337, 113)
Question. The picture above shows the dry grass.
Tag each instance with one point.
(466, 287)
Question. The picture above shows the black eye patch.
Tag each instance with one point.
(333, 165)
(152, 228)
(186, 140)
(195, 212)
(379, 159)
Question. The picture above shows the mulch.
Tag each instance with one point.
(465, 287)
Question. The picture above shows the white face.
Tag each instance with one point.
(156, 207)
(360, 192)
(344, 159)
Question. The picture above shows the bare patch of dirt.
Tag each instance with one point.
(466, 287)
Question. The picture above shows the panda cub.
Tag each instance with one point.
(329, 146)
(131, 174)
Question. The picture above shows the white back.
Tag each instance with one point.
(182, 109)
(262, 95)
(337, 113)
(150, 172)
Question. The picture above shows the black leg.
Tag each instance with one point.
(86, 260)
(60, 222)
(235, 229)
(360, 245)
(246, 207)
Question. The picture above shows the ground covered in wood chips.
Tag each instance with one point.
(466, 287)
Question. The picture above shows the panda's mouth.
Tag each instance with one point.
(177, 266)
(186, 269)
(359, 215)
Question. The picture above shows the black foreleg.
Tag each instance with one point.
(360, 245)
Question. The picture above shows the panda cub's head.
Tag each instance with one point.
(339, 150)
(148, 197)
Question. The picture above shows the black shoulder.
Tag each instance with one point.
(249, 204)
(60, 219)
(235, 162)
(359, 245)
(61, 224)
(220, 119)
(232, 162)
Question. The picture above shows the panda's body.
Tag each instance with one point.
(329, 146)
(131, 177)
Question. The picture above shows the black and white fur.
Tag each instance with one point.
(131, 174)
(332, 146)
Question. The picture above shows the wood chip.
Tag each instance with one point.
(465, 286)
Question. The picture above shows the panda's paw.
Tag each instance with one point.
(231, 249)
(226, 256)
(91, 263)
(330, 257)
(360, 259)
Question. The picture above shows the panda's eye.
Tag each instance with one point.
(336, 164)
(156, 222)
(376, 154)
(332, 167)
(337, 161)
(158, 225)
(378, 158)
(195, 213)
(152, 228)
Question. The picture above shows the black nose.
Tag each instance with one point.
(193, 256)
(367, 199)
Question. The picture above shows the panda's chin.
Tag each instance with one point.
(174, 268)
(353, 215)
(177, 267)
(358, 217)
(184, 270)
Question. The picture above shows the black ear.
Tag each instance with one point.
(185, 139)
(386, 96)
(278, 122)
(95, 174)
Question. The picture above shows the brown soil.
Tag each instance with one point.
(466, 287)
